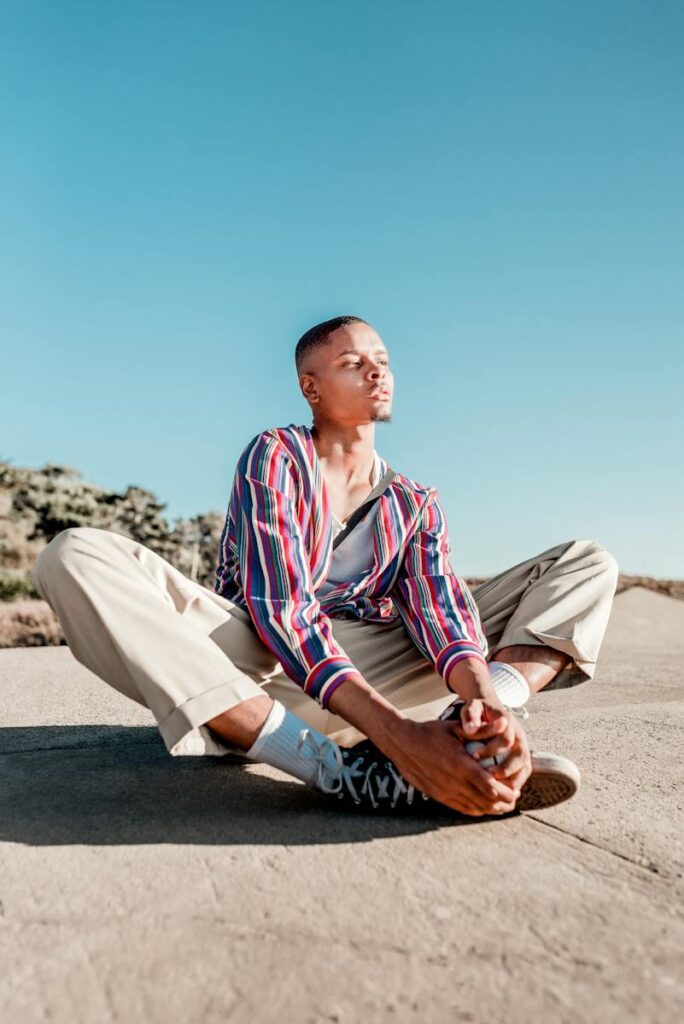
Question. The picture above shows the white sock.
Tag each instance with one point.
(287, 742)
(510, 685)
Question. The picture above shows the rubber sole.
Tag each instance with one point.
(554, 779)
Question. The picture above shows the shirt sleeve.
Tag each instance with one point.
(276, 574)
(437, 607)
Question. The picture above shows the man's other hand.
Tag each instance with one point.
(502, 733)
(432, 756)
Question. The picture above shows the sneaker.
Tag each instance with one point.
(363, 778)
(360, 777)
(554, 779)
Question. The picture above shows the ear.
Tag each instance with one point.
(309, 389)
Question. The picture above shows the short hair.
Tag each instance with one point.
(318, 335)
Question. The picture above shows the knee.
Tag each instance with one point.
(63, 550)
(602, 557)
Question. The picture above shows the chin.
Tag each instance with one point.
(381, 417)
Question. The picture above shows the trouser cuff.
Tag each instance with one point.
(184, 731)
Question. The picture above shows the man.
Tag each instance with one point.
(363, 668)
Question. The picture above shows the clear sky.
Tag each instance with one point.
(497, 187)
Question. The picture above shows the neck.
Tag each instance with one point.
(346, 451)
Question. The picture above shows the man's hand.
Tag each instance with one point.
(432, 757)
(502, 733)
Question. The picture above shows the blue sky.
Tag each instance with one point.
(496, 186)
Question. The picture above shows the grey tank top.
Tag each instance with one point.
(354, 556)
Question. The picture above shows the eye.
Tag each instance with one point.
(350, 365)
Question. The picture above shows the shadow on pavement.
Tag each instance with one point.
(110, 785)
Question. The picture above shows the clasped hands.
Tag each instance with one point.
(433, 757)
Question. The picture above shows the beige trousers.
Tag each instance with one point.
(189, 654)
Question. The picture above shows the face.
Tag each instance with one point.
(348, 380)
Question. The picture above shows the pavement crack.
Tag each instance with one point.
(651, 870)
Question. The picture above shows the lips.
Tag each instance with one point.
(379, 394)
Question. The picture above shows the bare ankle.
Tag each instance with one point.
(538, 663)
(241, 724)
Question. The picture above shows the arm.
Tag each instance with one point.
(431, 755)
(275, 571)
(436, 605)
(441, 616)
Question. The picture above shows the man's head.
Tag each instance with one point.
(344, 374)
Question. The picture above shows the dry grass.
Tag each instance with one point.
(29, 623)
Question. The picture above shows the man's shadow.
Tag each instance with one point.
(108, 785)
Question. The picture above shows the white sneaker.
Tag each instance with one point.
(553, 780)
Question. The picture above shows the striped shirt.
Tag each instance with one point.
(276, 550)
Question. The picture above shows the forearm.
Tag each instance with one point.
(362, 706)
(470, 679)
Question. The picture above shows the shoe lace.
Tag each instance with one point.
(334, 774)
(327, 758)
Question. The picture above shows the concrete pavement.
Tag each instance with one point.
(139, 887)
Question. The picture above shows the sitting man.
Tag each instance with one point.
(346, 653)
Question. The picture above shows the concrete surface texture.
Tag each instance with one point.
(139, 887)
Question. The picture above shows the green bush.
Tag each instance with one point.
(37, 504)
(14, 586)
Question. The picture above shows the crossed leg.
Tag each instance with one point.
(547, 615)
(192, 657)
